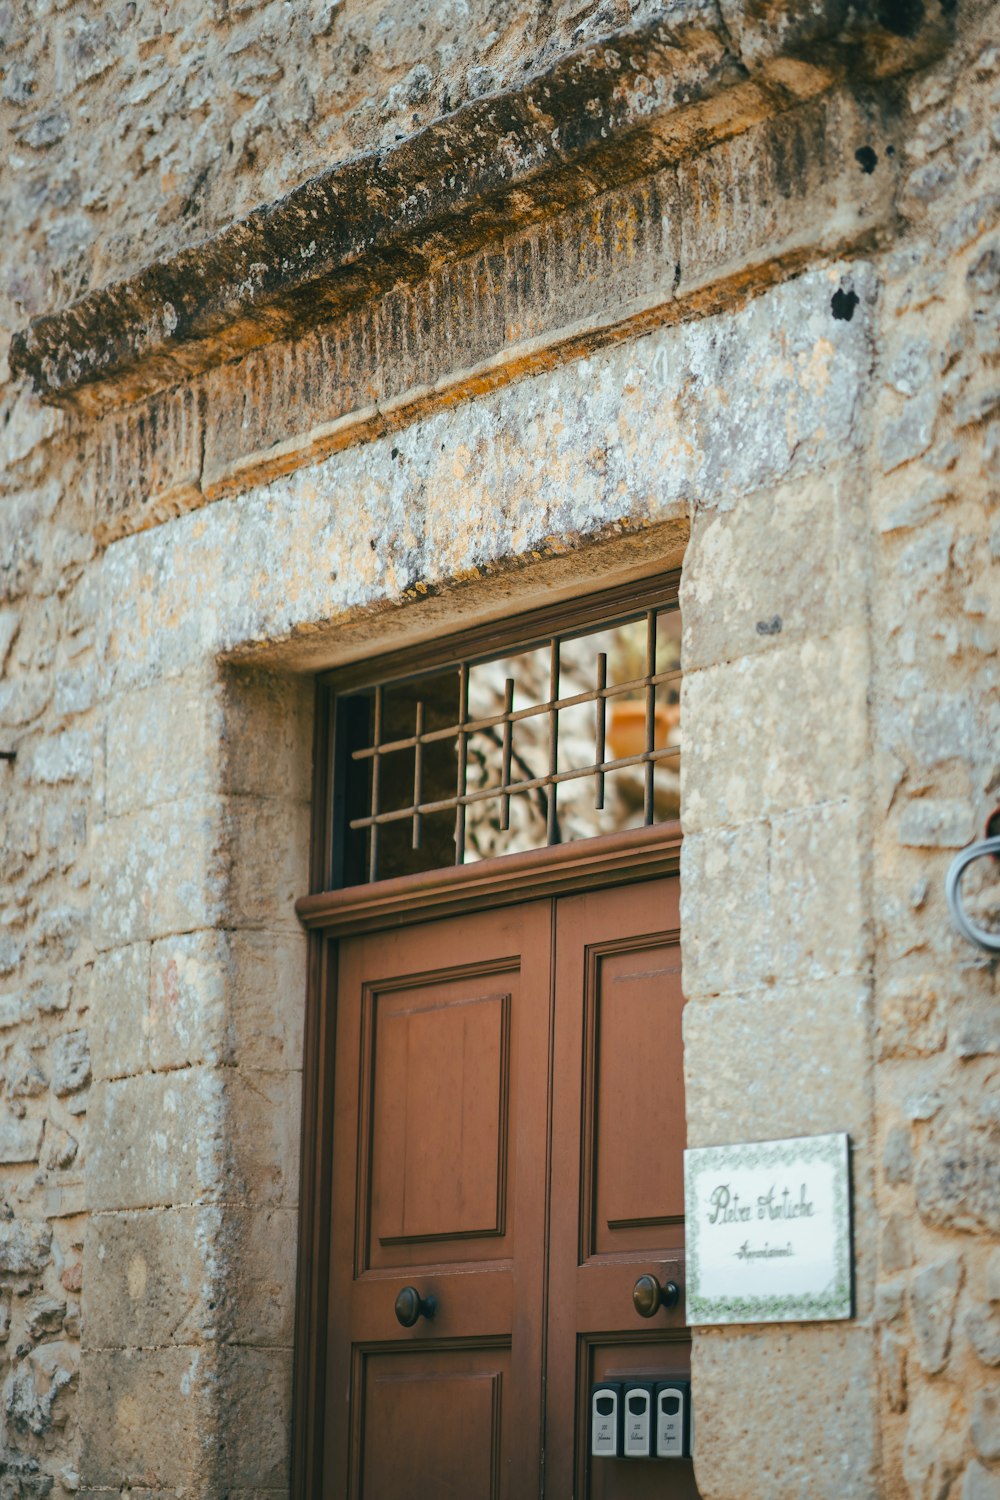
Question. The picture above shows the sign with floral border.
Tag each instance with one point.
(769, 1231)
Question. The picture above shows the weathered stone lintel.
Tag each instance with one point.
(603, 116)
(678, 244)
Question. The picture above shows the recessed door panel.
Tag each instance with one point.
(439, 1177)
(628, 1479)
(617, 1202)
(433, 1425)
(508, 1136)
(633, 1097)
(440, 1091)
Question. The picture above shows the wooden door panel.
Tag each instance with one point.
(633, 1093)
(440, 1073)
(604, 1291)
(477, 1297)
(508, 1131)
(629, 1479)
(439, 1180)
(433, 1425)
(617, 1197)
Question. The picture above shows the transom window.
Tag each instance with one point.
(565, 729)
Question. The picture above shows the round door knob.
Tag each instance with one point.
(410, 1306)
(649, 1296)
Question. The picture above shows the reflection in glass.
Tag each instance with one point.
(580, 735)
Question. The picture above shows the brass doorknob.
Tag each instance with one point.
(649, 1296)
(410, 1306)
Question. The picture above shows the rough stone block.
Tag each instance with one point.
(893, 1358)
(824, 1375)
(67, 756)
(119, 989)
(744, 590)
(155, 1140)
(792, 1060)
(982, 1329)
(975, 1029)
(255, 1292)
(933, 1295)
(911, 1015)
(957, 1180)
(985, 1424)
(266, 1003)
(936, 823)
(818, 891)
(70, 1058)
(267, 852)
(20, 1139)
(726, 910)
(754, 717)
(980, 1483)
(897, 1155)
(268, 735)
(934, 728)
(163, 743)
(25, 1248)
(38, 1396)
(184, 1019)
(933, 1447)
(255, 1453)
(896, 1251)
(157, 872)
(148, 1277)
(262, 1113)
(147, 1418)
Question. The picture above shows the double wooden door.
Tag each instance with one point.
(508, 1134)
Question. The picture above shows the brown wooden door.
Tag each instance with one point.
(440, 1110)
(617, 1198)
(508, 1130)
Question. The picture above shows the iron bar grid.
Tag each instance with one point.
(515, 716)
(640, 688)
(514, 788)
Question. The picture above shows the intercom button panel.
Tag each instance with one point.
(605, 1420)
(637, 1419)
(642, 1416)
(672, 1419)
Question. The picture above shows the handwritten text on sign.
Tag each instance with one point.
(768, 1231)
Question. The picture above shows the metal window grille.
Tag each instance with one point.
(567, 734)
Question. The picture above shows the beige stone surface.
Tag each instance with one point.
(162, 745)
(819, 891)
(790, 593)
(826, 427)
(159, 871)
(788, 1060)
(148, 1278)
(792, 1447)
(748, 762)
(156, 1140)
(146, 1417)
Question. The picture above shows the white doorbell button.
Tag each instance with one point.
(637, 1420)
(605, 1404)
(672, 1403)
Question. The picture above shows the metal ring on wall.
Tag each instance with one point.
(990, 941)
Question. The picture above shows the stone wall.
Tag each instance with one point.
(826, 431)
(935, 485)
(135, 130)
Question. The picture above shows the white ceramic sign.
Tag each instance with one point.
(768, 1231)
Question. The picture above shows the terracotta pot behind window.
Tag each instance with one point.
(627, 727)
